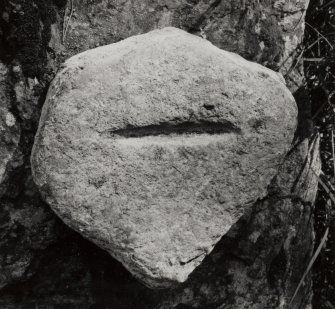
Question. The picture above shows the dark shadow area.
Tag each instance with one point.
(74, 273)
(320, 75)
(188, 127)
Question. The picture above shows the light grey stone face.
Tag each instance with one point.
(153, 147)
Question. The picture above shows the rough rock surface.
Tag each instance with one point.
(45, 264)
(9, 129)
(152, 147)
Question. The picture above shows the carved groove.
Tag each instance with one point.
(199, 127)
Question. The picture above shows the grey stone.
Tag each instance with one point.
(9, 129)
(154, 146)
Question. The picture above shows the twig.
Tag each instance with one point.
(316, 254)
(331, 46)
(319, 50)
(292, 68)
(293, 81)
(333, 151)
(325, 186)
(64, 22)
(311, 45)
(327, 4)
(300, 20)
(68, 22)
(321, 108)
(314, 59)
(287, 58)
(291, 11)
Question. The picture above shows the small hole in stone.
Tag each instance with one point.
(209, 107)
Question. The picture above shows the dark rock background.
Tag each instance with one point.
(44, 264)
(321, 82)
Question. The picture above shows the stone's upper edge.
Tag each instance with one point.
(175, 32)
(75, 63)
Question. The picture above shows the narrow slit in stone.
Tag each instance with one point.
(200, 127)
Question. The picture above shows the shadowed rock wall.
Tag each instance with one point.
(256, 265)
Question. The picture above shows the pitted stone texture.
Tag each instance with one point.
(152, 147)
(9, 129)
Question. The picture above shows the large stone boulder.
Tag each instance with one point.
(154, 146)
